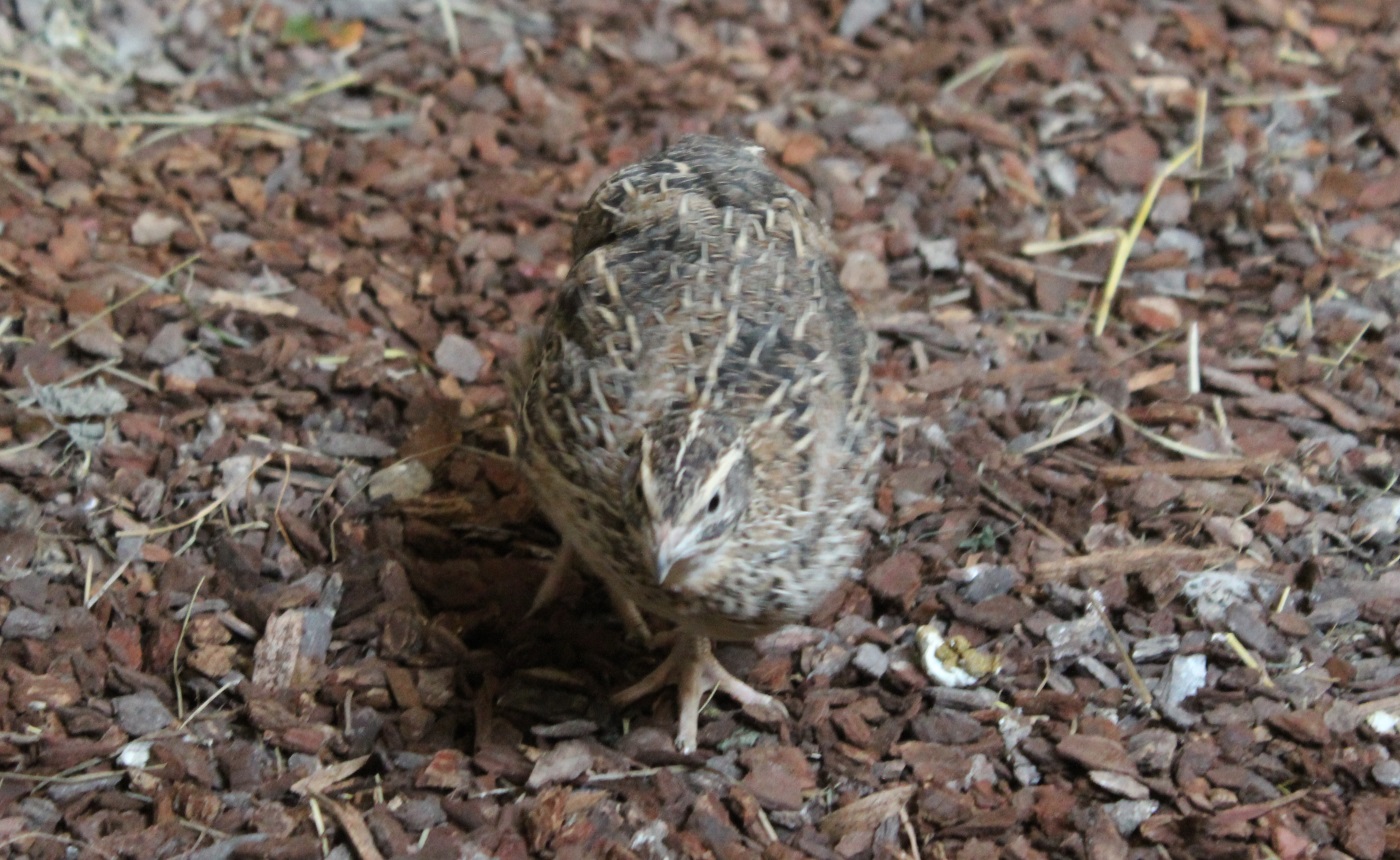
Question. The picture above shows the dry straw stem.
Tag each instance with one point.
(1248, 658)
(135, 294)
(1193, 358)
(449, 23)
(1134, 676)
(1308, 93)
(179, 641)
(1170, 444)
(1067, 435)
(254, 115)
(1126, 241)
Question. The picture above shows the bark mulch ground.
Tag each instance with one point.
(264, 562)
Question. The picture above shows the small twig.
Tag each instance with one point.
(1309, 93)
(1133, 675)
(1248, 658)
(209, 701)
(108, 583)
(1102, 236)
(1072, 433)
(175, 657)
(449, 23)
(137, 293)
(1202, 100)
(1129, 238)
(1193, 358)
(984, 67)
(909, 832)
(995, 492)
(1170, 444)
(199, 516)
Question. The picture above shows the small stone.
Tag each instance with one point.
(864, 274)
(184, 374)
(1128, 815)
(1173, 205)
(421, 813)
(1186, 675)
(860, 14)
(871, 660)
(1229, 531)
(565, 763)
(141, 713)
(1387, 772)
(1181, 240)
(356, 445)
(1119, 784)
(401, 481)
(1377, 519)
(940, 255)
(1156, 647)
(460, 357)
(1153, 749)
(167, 346)
(387, 226)
(153, 228)
(983, 582)
(17, 511)
(26, 623)
(1247, 622)
(880, 126)
(1157, 313)
(1330, 613)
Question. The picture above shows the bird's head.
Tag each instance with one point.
(690, 488)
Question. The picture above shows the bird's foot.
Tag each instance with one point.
(692, 667)
(631, 617)
(554, 579)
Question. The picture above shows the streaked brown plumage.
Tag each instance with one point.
(694, 417)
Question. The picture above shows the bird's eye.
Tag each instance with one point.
(714, 503)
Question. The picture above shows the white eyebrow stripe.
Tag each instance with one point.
(724, 464)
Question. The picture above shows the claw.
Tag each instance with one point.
(692, 667)
(554, 579)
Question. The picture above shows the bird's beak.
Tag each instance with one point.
(671, 556)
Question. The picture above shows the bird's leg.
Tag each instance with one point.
(629, 613)
(692, 667)
(554, 579)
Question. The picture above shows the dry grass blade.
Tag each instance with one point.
(175, 657)
(1193, 358)
(1247, 657)
(1308, 93)
(1101, 236)
(1170, 444)
(256, 115)
(199, 516)
(1134, 676)
(1129, 238)
(449, 24)
(135, 294)
(1068, 435)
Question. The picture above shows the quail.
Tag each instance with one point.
(694, 417)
